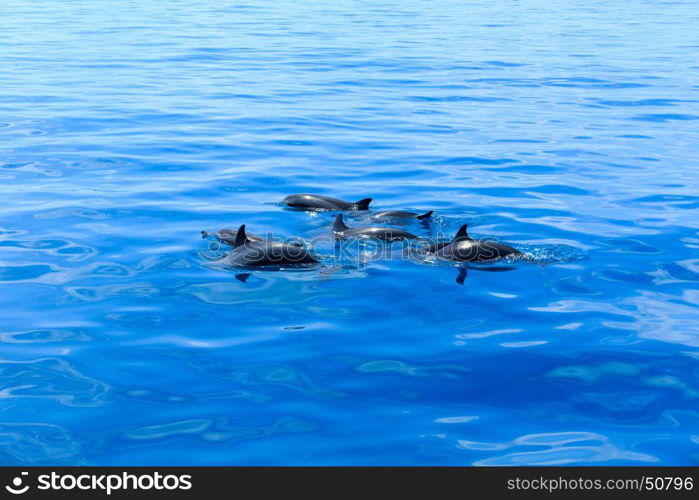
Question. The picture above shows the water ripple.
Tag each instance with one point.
(127, 131)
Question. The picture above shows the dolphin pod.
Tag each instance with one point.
(252, 251)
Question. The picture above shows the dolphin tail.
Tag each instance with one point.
(241, 237)
(205, 234)
(462, 233)
(426, 215)
(363, 204)
(339, 225)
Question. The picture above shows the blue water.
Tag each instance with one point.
(570, 130)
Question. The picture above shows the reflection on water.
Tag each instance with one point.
(127, 131)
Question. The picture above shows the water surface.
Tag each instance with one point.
(568, 130)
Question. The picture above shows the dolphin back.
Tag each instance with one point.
(320, 202)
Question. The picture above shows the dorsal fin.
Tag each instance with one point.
(426, 215)
(462, 233)
(339, 224)
(363, 204)
(241, 237)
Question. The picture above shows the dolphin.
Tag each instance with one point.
(319, 202)
(380, 233)
(400, 214)
(463, 248)
(227, 236)
(249, 253)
